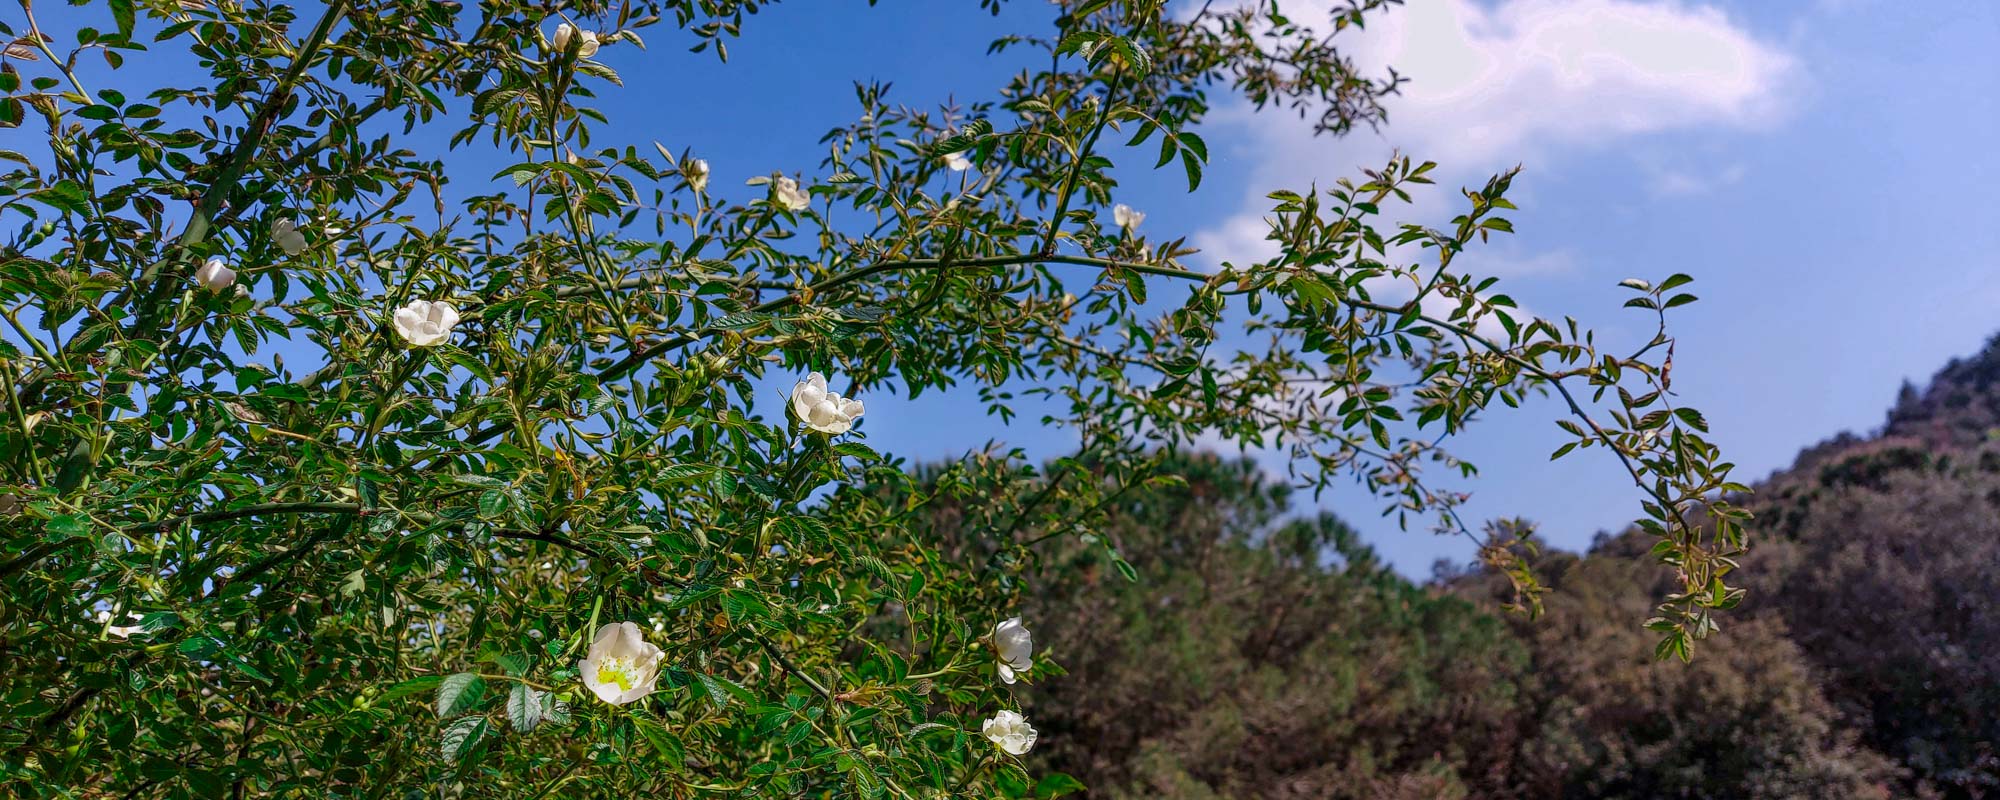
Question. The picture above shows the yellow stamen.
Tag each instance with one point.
(617, 671)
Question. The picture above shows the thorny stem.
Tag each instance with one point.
(35, 35)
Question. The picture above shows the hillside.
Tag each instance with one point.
(1877, 563)
(1267, 656)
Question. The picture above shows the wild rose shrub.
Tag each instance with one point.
(332, 466)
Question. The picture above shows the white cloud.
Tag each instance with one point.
(1496, 82)
(1676, 182)
(1517, 81)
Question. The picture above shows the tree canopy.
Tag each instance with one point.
(333, 467)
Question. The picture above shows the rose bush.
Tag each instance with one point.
(387, 509)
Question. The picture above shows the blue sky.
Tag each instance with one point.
(1822, 168)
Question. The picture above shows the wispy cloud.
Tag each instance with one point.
(1678, 182)
(1495, 84)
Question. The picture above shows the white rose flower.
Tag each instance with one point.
(822, 410)
(1015, 648)
(695, 170)
(789, 193)
(1126, 217)
(286, 233)
(215, 275)
(120, 631)
(423, 323)
(621, 666)
(1011, 732)
(565, 32)
(957, 162)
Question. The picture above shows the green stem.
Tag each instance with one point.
(35, 35)
(34, 342)
(240, 157)
(640, 356)
(523, 681)
(833, 705)
(258, 510)
(1078, 159)
(947, 668)
(1575, 408)
(27, 435)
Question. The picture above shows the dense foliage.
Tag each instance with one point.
(1271, 656)
(1275, 657)
(337, 463)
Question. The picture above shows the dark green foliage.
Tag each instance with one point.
(1883, 559)
(1262, 656)
(1604, 719)
(1871, 610)
(1268, 657)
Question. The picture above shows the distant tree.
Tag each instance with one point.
(1960, 408)
(1261, 655)
(1271, 656)
(1890, 587)
(1602, 719)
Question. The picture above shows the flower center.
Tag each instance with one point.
(619, 671)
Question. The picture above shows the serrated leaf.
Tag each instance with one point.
(553, 710)
(524, 708)
(409, 687)
(664, 743)
(459, 693)
(802, 529)
(460, 736)
(492, 504)
(929, 727)
(716, 694)
(69, 525)
(679, 473)
(740, 320)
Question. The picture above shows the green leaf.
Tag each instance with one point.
(554, 710)
(493, 504)
(802, 530)
(524, 708)
(460, 736)
(406, 688)
(459, 693)
(69, 525)
(664, 743)
(684, 473)
(1057, 784)
(721, 689)
(354, 583)
(741, 320)
(209, 648)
